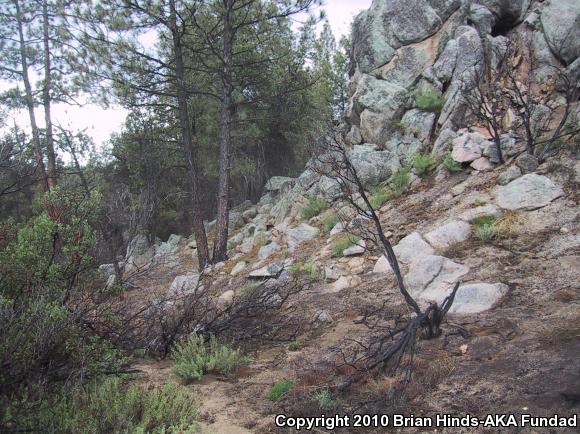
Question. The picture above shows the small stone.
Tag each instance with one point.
(332, 273)
(480, 211)
(482, 165)
(239, 267)
(271, 270)
(359, 249)
(382, 266)
(338, 228)
(267, 250)
(449, 234)
(322, 316)
(226, 299)
(527, 163)
(508, 175)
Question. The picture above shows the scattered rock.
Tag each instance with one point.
(184, 284)
(276, 183)
(477, 297)
(411, 247)
(482, 164)
(345, 282)
(527, 163)
(431, 277)
(238, 268)
(469, 147)
(529, 192)
(270, 270)
(382, 266)
(322, 316)
(358, 249)
(449, 234)
(226, 299)
(508, 175)
(480, 211)
(267, 250)
(333, 273)
(300, 234)
(337, 229)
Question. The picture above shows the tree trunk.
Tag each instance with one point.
(40, 168)
(220, 250)
(188, 143)
(51, 157)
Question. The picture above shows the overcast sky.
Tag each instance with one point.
(100, 123)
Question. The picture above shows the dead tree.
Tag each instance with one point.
(389, 350)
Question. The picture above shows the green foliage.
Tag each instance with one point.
(193, 358)
(109, 407)
(451, 165)
(479, 202)
(400, 181)
(310, 268)
(430, 100)
(324, 399)
(424, 163)
(485, 228)
(295, 345)
(247, 290)
(380, 196)
(279, 389)
(342, 243)
(330, 222)
(314, 207)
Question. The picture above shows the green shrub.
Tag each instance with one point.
(109, 407)
(279, 389)
(342, 243)
(314, 207)
(247, 290)
(479, 202)
(485, 228)
(430, 101)
(324, 399)
(379, 196)
(295, 345)
(400, 181)
(424, 163)
(451, 165)
(310, 268)
(329, 223)
(484, 233)
(193, 358)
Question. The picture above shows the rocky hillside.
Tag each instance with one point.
(508, 231)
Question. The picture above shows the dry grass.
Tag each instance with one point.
(509, 225)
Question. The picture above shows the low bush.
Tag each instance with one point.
(110, 407)
(380, 196)
(309, 268)
(400, 181)
(424, 163)
(314, 207)
(324, 399)
(342, 243)
(430, 101)
(330, 222)
(279, 389)
(451, 165)
(484, 228)
(295, 345)
(193, 358)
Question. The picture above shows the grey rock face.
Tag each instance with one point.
(561, 25)
(430, 276)
(271, 270)
(300, 234)
(529, 192)
(443, 143)
(508, 175)
(477, 297)
(527, 163)
(267, 250)
(449, 234)
(419, 123)
(276, 183)
(480, 211)
(184, 284)
(139, 253)
(238, 268)
(412, 247)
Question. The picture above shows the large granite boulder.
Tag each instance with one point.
(300, 234)
(528, 192)
(561, 26)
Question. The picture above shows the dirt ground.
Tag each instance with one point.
(520, 357)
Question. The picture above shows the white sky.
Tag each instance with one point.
(100, 122)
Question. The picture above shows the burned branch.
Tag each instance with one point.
(391, 349)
